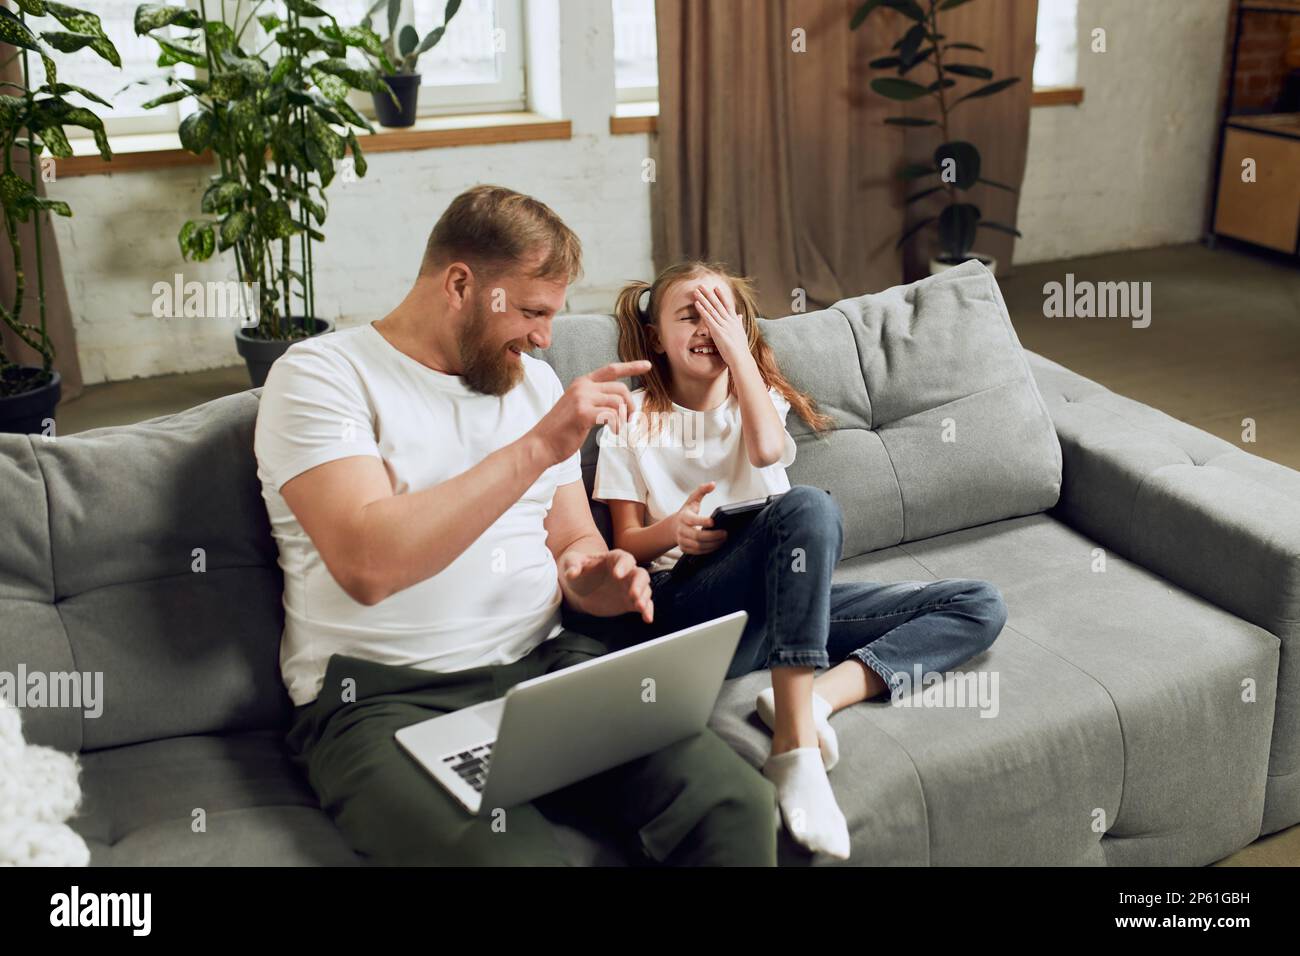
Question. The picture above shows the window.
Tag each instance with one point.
(123, 88)
(636, 59)
(478, 66)
(1057, 60)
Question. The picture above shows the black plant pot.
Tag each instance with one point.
(406, 87)
(26, 412)
(259, 353)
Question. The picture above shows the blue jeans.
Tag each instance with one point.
(778, 569)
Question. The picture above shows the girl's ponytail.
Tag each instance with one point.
(633, 343)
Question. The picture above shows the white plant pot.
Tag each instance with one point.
(936, 266)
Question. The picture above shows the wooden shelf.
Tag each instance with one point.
(1283, 124)
(160, 150)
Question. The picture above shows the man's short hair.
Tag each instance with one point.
(492, 229)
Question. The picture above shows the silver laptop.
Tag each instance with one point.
(554, 730)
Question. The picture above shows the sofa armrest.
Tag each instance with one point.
(1193, 508)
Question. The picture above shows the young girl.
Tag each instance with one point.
(708, 429)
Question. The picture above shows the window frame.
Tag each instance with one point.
(508, 94)
(630, 94)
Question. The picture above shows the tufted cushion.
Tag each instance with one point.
(939, 424)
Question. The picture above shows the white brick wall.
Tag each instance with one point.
(1129, 168)
(1132, 166)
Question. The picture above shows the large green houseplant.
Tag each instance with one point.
(32, 122)
(397, 58)
(278, 121)
(955, 162)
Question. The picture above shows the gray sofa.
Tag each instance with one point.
(1147, 684)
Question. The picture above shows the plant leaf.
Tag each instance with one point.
(234, 228)
(407, 40)
(431, 41)
(988, 90)
(196, 131)
(910, 121)
(358, 158)
(60, 88)
(221, 196)
(304, 8)
(357, 79)
(897, 89)
(917, 61)
(910, 43)
(151, 16)
(13, 188)
(969, 69)
(56, 141)
(61, 113)
(276, 220)
(173, 53)
(13, 31)
(862, 12)
(922, 194)
(172, 97)
(908, 8)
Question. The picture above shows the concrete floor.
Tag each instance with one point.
(1223, 345)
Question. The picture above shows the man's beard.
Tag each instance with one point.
(487, 367)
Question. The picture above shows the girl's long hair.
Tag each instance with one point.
(634, 341)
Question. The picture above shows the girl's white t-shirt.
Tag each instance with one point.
(661, 469)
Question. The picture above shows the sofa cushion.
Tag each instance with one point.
(1120, 733)
(939, 424)
(144, 555)
(139, 808)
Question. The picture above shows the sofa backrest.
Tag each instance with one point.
(143, 554)
(939, 424)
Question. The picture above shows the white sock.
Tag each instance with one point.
(826, 738)
(807, 803)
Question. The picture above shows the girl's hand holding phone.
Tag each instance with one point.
(690, 527)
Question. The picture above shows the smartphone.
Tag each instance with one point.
(729, 518)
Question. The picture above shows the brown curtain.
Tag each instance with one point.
(58, 314)
(778, 163)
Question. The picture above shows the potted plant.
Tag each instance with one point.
(396, 59)
(278, 128)
(28, 393)
(956, 162)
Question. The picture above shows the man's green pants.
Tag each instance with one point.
(695, 802)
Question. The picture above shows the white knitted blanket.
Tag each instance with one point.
(38, 792)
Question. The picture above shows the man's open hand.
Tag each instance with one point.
(606, 585)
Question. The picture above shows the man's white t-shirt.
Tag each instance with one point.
(354, 393)
(661, 468)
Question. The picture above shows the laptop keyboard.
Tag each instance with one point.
(471, 764)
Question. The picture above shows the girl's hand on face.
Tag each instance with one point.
(725, 326)
(689, 525)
